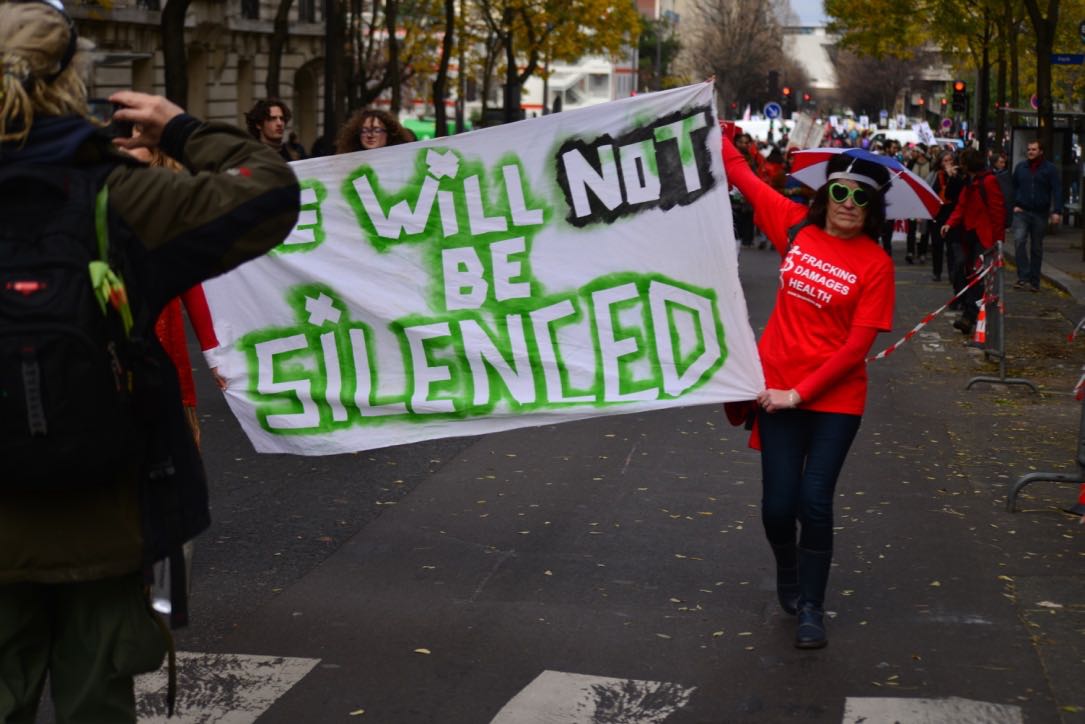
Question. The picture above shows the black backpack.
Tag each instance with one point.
(67, 409)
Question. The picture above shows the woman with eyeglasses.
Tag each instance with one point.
(836, 293)
(368, 129)
(947, 182)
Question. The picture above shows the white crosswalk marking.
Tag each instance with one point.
(238, 689)
(929, 711)
(221, 688)
(557, 697)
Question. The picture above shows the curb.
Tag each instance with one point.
(1056, 277)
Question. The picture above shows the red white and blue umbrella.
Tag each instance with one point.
(907, 195)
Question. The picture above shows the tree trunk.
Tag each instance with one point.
(512, 78)
(493, 44)
(334, 108)
(173, 51)
(391, 8)
(461, 85)
(1045, 45)
(1000, 94)
(440, 85)
(354, 70)
(275, 48)
(984, 99)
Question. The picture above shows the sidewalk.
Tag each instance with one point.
(974, 441)
(1063, 265)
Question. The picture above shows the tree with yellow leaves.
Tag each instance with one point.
(976, 34)
(531, 30)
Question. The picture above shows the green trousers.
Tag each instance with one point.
(91, 638)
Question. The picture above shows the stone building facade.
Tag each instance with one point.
(227, 44)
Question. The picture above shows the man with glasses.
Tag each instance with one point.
(267, 122)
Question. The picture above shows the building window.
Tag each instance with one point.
(250, 9)
(307, 11)
(599, 84)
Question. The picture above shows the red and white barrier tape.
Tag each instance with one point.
(927, 319)
(1079, 388)
(1070, 337)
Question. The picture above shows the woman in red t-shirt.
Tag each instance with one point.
(836, 294)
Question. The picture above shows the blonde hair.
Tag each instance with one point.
(160, 159)
(33, 40)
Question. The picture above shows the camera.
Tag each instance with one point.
(102, 111)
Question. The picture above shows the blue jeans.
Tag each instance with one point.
(802, 453)
(1028, 236)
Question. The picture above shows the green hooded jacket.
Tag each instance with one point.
(238, 202)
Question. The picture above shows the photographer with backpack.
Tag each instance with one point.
(102, 478)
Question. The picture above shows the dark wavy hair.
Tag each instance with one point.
(874, 212)
(260, 112)
(349, 139)
(972, 161)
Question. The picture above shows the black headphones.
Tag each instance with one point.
(73, 36)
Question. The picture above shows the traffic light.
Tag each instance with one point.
(788, 99)
(805, 97)
(945, 102)
(960, 96)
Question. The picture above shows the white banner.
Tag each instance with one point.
(569, 266)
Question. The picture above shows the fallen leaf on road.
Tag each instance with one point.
(662, 636)
(936, 584)
(423, 651)
(357, 712)
(717, 634)
(1049, 604)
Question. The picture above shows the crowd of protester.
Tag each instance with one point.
(974, 186)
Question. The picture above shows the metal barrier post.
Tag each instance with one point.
(996, 345)
(1011, 499)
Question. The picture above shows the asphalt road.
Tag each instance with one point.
(614, 570)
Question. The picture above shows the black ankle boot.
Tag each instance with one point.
(787, 578)
(811, 633)
(813, 578)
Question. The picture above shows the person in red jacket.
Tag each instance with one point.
(981, 213)
(836, 294)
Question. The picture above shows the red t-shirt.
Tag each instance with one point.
(827, 285)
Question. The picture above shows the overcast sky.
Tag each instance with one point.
(810, 12)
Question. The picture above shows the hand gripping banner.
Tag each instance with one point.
(570, 266)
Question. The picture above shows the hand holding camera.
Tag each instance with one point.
(152, 113)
